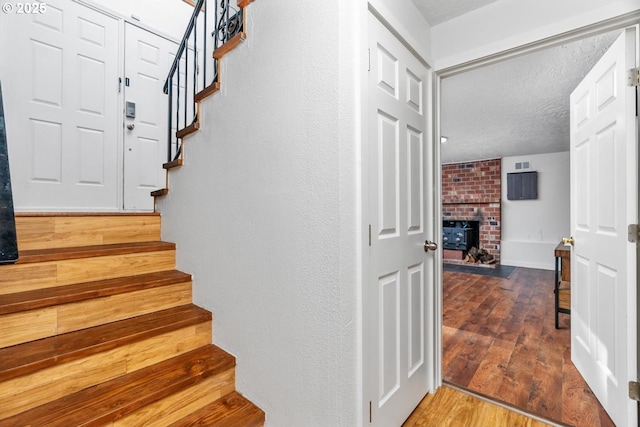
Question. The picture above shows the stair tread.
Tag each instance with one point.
(29, 357)
(172, 164)
(188, 130)
(47, 297)
(229, 45)
(211, 89)
(57, 254)
(82, 214)
(160, 192)
(114, 399)
(231, 410)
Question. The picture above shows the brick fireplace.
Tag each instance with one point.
(471, 191)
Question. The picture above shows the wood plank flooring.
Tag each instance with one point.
(450, 407)
(499, 339)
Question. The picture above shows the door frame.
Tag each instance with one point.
(433, 329)
(618, 23)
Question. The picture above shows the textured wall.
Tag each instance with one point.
(471, 191)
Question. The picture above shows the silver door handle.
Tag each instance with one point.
(430, 246)
(130, 126)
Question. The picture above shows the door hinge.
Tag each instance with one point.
(634, 233)
(634, 390)
(369, 234)
(370, 413)
(633, 78)
(119, 84)
(369, 66)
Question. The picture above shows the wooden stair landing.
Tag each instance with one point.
(107, 334)
(239, 413)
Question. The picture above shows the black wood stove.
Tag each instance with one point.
(460, 235)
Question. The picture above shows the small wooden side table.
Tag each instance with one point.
(563, 280)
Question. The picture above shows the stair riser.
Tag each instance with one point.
(171, 409)
(26, 277)
(43, 232)
(43, 386)
(31, 325)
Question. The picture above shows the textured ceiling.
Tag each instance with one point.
(518, 106)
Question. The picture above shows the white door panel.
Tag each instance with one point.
(62, 107)
(401, 274)
(604, 197)
(147, 61)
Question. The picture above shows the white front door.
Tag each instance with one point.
(396, 296)
(59, 72)
(148, 58)
(604, 200)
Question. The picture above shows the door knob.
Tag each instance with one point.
(568, 240)
(430, 246)
(130, 126)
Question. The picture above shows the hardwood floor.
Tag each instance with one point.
(450, 407)
(499, 339)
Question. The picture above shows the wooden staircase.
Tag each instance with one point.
(97, 327)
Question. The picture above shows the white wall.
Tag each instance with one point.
(531, 229)
(507, 24)
(168, 17)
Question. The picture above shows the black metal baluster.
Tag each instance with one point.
(227, 36)
(195, 68)
(178, 103)
(169, 133)
(186, 82)
(215, 30)
(204, 48)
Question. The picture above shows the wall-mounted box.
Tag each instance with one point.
(522, 186)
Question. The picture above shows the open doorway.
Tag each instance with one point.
(499, 337)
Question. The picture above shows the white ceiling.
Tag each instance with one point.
(515, 107)
(437, 11)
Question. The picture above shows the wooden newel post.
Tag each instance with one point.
(8, 240)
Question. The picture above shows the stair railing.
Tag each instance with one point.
(8, 237)
(195, 70)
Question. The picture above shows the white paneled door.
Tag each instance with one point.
(59, 69)
(397, 305)
(604, 200)
(148, 58)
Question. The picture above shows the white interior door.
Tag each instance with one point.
(59, 71)
(401, 275)
(148, 58)
(604, 200)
